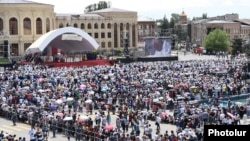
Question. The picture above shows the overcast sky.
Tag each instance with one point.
(156, 9)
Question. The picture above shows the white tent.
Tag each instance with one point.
(68, 39)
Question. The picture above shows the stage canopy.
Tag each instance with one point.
(67, 39)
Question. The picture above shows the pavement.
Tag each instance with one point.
(22, 129)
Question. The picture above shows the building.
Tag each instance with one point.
(23, 22)
(146, 28)
(230, 23)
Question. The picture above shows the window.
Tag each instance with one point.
(109, 44)
(96, 35)
(26, 45)
(90, 34)
(82, 26)
(26, 26)
(109, 25)
(75, 25)
(47, 25)
(14, 49)
(109, 34)
(13, 26)
(60, 25)
(103, 35)
(96, 26)
(39, 26)
(103, 44)
(1, 24)
(102, 26)
(89, 25)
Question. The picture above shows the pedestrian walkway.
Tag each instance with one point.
(10, 129)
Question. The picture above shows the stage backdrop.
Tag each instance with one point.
(158, 46)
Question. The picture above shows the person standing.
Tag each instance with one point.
(32, 133)
(14, 117)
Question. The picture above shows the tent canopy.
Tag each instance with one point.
(67, 39)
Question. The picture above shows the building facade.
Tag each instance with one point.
(146, 28)
(23, 22)
(230, 23)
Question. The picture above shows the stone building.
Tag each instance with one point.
(23, 22)
(234, 27)
(146, 28)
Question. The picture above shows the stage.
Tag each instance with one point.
(157, 58)
(147, 59)
(97, 62)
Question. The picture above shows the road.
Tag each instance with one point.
(21, 129)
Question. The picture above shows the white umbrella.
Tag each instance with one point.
(91, 92)
(70, 99)
(41, 91)
(156, 100)
(84, 118)
(68, 118)
(88, 101)
(59, 101)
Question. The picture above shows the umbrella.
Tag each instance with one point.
(59, 114)
(82, 118)
(109, 127)
(170, 86)
(82, 87)
(156, 100)
(89, 101)
(193, 87)
(59, 101)
(93, 85)
(163, 114)
(68, 118)
(91, 92)
(70, 99)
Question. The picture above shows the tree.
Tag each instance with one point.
(204, 16)
(217, 40)
(237, 46)
(97, 6)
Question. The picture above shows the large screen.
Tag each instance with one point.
(158, 46)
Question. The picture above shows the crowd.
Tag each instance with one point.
(50, 99)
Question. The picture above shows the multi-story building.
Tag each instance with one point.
(23, 22)
(230, 23)
(146, 28)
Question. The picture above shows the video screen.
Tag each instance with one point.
(158, 46)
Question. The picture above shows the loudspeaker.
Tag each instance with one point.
(5, 45)
(5, 48)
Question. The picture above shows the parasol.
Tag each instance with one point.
(68, 118)
(89, 101)
(109, 127)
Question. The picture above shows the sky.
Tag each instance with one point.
(157, 9)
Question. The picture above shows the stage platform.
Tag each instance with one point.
(79, 63)
(147, 59)
(157, 58)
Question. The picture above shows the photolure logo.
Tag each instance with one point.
(241, 132)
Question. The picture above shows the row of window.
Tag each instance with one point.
(96, 35)
(89, 25)
(27, 26)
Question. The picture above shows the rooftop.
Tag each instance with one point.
(220, 21)
(145, 19)
(15, 1)
(110, 10)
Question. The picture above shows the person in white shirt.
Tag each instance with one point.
(32, 133)
(161, 46)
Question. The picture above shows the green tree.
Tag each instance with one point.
(97, 6)
(217, 40)
(237, 46)
(204, 16)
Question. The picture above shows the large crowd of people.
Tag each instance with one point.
(60, 100)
